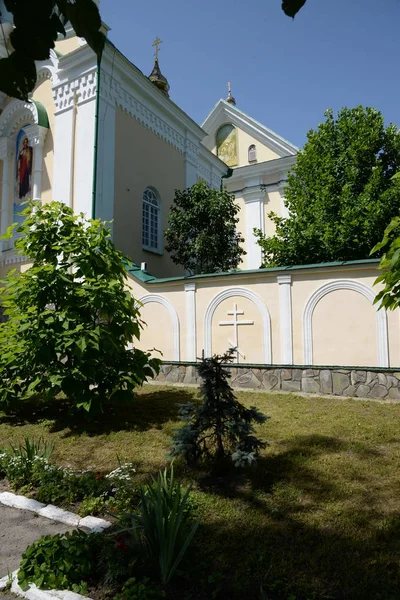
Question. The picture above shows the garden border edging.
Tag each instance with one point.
(93, 524)
(34, 593)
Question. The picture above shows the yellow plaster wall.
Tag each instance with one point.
(266, 289)
(43, 93)
(158, 320)
(65, 46)
(250, 341)
(272, 203)
(305, 284)
(344, 330)
(244, 140)
(263, 152)
(143, 160)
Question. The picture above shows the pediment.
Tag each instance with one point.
(272, 145)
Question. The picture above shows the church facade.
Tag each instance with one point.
(109, 142)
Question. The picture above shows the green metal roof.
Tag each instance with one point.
(146, 277)
(43, 119)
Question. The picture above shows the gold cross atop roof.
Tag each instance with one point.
(229, 87)
(156, 44)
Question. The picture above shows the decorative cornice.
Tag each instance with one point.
(12, 260)
(114, 93)
(254, 193)
(83, 88)
(191, 152)
(6, 148)
(284, 279)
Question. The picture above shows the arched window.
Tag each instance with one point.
(150, 221)
(252, 153)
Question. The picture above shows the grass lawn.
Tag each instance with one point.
(318, 518)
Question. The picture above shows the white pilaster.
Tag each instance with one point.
(191, 336)
(6, 152)
(64, 128)
(37, 136)
(281, 188)
(105, 162)
(191, 152)
(285, 304)
(253, 196)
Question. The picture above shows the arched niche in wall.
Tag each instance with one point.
(246, 323)
(347, 325)
(162, 327)
(227, 145)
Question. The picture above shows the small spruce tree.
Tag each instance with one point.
(220, 425)
(70, 317)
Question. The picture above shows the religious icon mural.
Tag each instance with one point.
(23, 175)
(227, 145)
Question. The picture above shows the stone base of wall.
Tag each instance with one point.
(335, 381)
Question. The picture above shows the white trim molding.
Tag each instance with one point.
(191, 333)
(355, 286)
(174, 319)
(285, 306)
(16, 114)
(253, 196)
(265, 316)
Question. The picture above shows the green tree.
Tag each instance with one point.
(220, 424)
(37, 24)
(389, 296)
(340, 194)
(292, 7)
(201, 234)
(70, 316)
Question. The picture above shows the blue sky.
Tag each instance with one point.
(284, 73)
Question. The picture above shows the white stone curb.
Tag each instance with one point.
(93, 524)
(33, 593)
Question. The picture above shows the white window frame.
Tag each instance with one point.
(150, 194)
(253, 149)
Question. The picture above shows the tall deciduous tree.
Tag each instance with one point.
(201, 234)
(340, 194)
(70, 316)
(37, 26)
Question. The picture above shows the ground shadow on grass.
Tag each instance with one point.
(286, 529)
(253, 559)
(289, 464)
(147, 410)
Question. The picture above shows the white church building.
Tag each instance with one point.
(109, 142)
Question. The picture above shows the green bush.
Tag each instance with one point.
(71, 318)
(220, 424)
(62, 562)
(161, 528)
(139, 590)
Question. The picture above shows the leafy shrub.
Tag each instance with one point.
(220, 424)
(161, 528)
(123, 491)
(139, 590)
(92, 505)
(62, 562)
(70, 319)
(33, 449)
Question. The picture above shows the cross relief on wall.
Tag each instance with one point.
(235, 323)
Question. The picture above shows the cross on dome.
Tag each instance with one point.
(156, 45)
